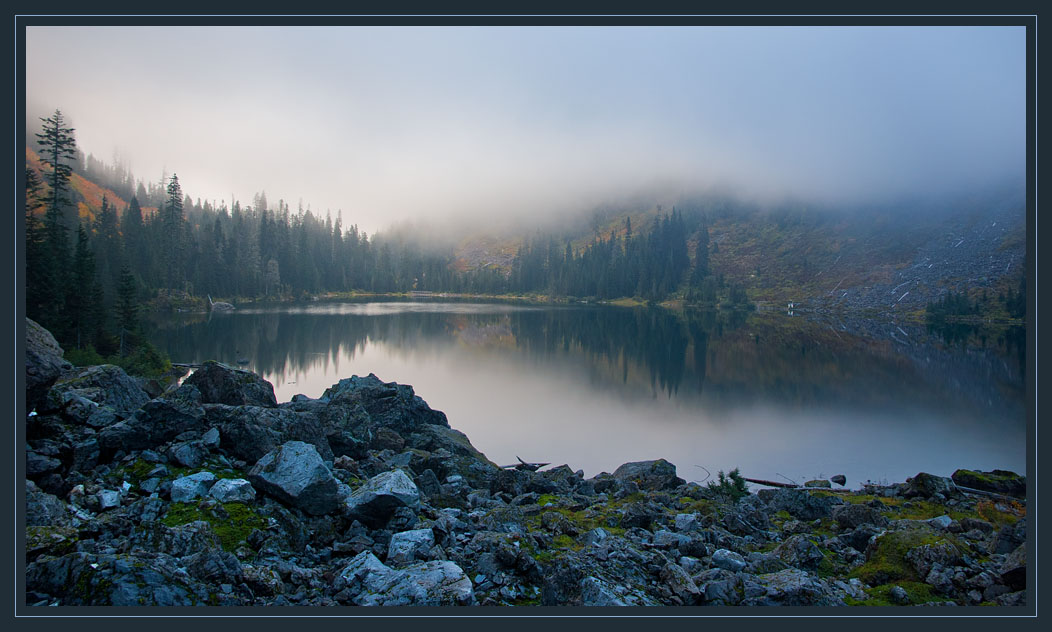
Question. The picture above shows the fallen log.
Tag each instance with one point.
(983, 492)
(771, 483)
(523, 465)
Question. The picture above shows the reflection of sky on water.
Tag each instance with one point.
(584, 387)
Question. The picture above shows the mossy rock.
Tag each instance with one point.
(886, 560)
(999, 481)
(232, 525)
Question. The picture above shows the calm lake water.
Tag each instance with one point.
(776, 395)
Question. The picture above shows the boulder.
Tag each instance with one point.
(366, 581)
(222, 384)
(926, 485)
(850, 516)
(839, 479)
(44, 510)
(596, 592)
(1009, 537)
(680, 583)
(409, 546)
(799, 504)
(925, 557)
(114, 580)
(375, 501)
(793, 587)
(999, 481)
(192, 487)
(800, 552)
(189, 454)
(651, 475)
(249, 432)
(230, 490)
(295, 474)
(44, 364)
(107, 386)
(1013, 569)
(384, 404)
(728, 560)
(158, 421)
(820, 482)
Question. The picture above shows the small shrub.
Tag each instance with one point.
(731, 486)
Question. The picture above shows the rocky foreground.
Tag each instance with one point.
(211, 493)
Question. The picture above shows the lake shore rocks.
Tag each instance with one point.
(212, 495)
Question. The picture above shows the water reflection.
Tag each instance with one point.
(644, 379)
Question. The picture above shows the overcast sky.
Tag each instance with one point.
(394, 123)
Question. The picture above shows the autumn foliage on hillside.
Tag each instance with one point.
(86, 194)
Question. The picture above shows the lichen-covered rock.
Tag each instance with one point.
(654, 475)
(728, 560)
(295, 474)
(375, 501)
(1013, 570)
(83, 579)
(44, 364)
(222, 384)
(923, 558)
(596, 592)
(385, 404)
(800, 552)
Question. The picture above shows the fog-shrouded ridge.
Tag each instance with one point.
(525, 124)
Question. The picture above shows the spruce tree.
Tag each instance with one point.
(58, 150)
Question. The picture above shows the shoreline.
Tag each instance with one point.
(377, 500)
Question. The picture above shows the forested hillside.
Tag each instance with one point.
(100, 244)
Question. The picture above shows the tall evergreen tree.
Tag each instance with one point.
(172, 234)
(58, 150)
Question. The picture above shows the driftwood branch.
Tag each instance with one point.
(759, 481)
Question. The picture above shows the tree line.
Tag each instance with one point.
(87, 280)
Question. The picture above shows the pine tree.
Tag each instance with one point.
(58, 150)
(80, 308)
(172, 234)
(127, 305)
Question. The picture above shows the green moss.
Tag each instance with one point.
(231, 531)
(888, 561)
(917, 592)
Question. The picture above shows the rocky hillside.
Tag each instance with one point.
(211, 493)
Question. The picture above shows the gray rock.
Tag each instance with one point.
(1009, 537)
(408, 546)
(44, 510)
(109, 499)
(596, 592)
(1013, 570)
(680, 583)
(112, 580)
(222, 384)
(158, 421)
(190, 454)
(652, 475)
(192, 487)
(898, 595)
(687, 522)
(941, 522)
(839, 479)
(44, 364)
(211, 438)
(229, 490)
(249, 432)
(728, 560)
(927, 485)
(793, 587)
(800, 504)
(799, 551)
(368, 582)
(669, 540)
(850, 516)
(384, 404)
(37, 464)
(923, 558)
(294, 473)
(106, 386)
(375, 501)
(818, 483)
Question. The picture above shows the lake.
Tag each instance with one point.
(781, 396)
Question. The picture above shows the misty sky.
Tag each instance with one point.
(392, 123)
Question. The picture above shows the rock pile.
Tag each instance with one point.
(214, 494)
